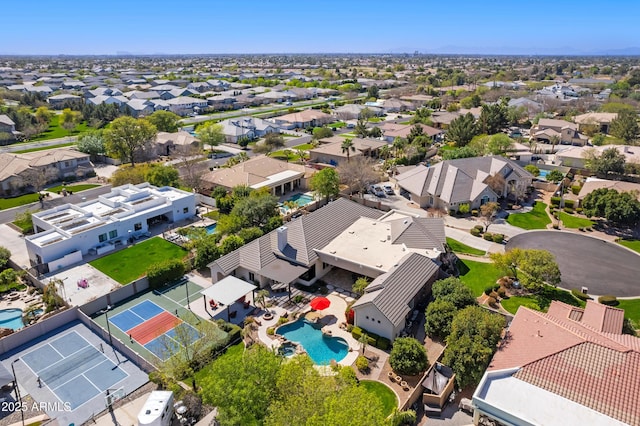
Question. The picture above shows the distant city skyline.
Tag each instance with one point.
(543, 27)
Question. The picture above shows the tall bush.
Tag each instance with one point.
(165, 272)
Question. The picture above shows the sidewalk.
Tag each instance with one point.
(479, 243)
(127, 415)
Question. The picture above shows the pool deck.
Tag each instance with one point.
(331, 317)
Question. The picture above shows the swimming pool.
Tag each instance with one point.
(211, 228)
(300, 199)
(11, 318)
(321, 348)
(543, 174)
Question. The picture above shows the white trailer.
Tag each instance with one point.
(157, 410)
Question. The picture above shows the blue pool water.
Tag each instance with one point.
(301, 199)
(11, 318)
(321, 349)
(211, 228)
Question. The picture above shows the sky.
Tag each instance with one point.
(109, 27)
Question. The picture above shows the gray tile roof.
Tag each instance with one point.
(313, 231)
(419, 233)
(391, 292)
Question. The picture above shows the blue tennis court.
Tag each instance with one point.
(166, 332)
(73, 369)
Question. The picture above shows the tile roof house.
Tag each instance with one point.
(565, 132)
(393, 130)
(602, 119)
(261, 171)
(330, 150)
(575, 156)
(166, 143)
(248, 127)
(564, 367)
(7, 125)
(591, 184)
(346, 235)
(303, 119)
(59, 101)
(451, 183)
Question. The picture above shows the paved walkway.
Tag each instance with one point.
(126, 415)
(479, 243)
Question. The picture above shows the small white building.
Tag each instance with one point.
(66, 233)
(157, 410)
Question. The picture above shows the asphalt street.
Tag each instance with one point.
(604, 267)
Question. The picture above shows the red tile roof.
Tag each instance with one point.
(592, 375)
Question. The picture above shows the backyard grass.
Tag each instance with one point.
(631, 310)
(7, 203)
(25, 224)
(459, 247)
(478, 275)
(56, 131)
(535, 219)
(132, 262)
(574, 222)
(386, 396)
(348, 135)
(631, 244)
(337, 125)
(304, 146)
(541, 301)
(73, 188)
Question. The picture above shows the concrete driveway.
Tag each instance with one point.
(603, 267)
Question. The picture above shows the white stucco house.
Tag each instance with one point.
(66, 233)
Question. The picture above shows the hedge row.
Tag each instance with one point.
(162, 273)
(580, 295)
(372, 338)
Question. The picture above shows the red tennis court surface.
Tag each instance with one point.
(154, 327)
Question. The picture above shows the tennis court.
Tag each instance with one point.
(133, 321)
(154, 328)
(73, 369)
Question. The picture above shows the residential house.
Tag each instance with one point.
(7, 126)
(66, 233)
(562, 132)
(568, 366)
(176, 93)
(218, 85)
(591, 184)
(395, 105)
(576, 156)
(59, 101)
(451, 183)
(107, 99)
(401, 252)
(261, 171)
(442, 119)
(102, 91)
(531, 106)
(303, 119)
(166, 143)
(199, 86)
(72, 85)
(391, 131)
(330, 150)
(185, 105)
(140, 107)
(138, 94)
(601, 119)
(354, 111)
(18, 171)
(246, 127)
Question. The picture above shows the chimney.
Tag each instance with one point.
(282, 238)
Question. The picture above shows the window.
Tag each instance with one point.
(252, 276)
(113, 234)
(185, 210)
(137, 226)
(102, 238)
(67, 164)
(325, 265)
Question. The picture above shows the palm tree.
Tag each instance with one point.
(398, 145)
(554, 141)
(385, 152)
(261, 298)
(302, 154)
(347, 146)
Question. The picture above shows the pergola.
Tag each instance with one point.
(227, 291)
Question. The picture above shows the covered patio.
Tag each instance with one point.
(282, 273)
(226, 292)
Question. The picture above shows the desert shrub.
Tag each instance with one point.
(608, 300)
(474, 212)
(271, 331)
(488, 290)
(282, 320)
(362, 363)
(498, 238)
(568, 210)
(578, 209)
(580, 295)
(479, 228)
(356, 333)
(569, 203)
(408, 356)
(493, 295)
(162, 273)
(491, 301)
(575, 189)
(488, 236)
(474, 232)
(502, 292)
(464, 208)
(555, 201)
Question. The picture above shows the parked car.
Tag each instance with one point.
(379, 192)
(389, 190)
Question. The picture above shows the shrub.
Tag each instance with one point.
(569, 203)
(488, 290)
(580, 295)
(362, 363)
(498, 238)
(452, 212)
(271, 331)
(502, 292)
(464, 208)
(480, 228)
(488, 236)
(165, 272)
(282, 320)
(555, 201)
(568, 210)
(578, 209)
(408, 356)
(474, 232)
(608, 300)
(491, 301)
(383, 343)
(493, 295)
(575, 189)
(356, 333)
(474, 212)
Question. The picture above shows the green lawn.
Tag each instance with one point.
(25, 224)
(375, 120)
(383, 392)
(535, 219)
(348, 135)
(7, 203)
(541, 301)
(570, 221)
(56, 131)
(337, 124)
(73, 188)
(304, 146)
(459, 247)
(631, 244)
(131, 263)
(631, 310)
(478, 275)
